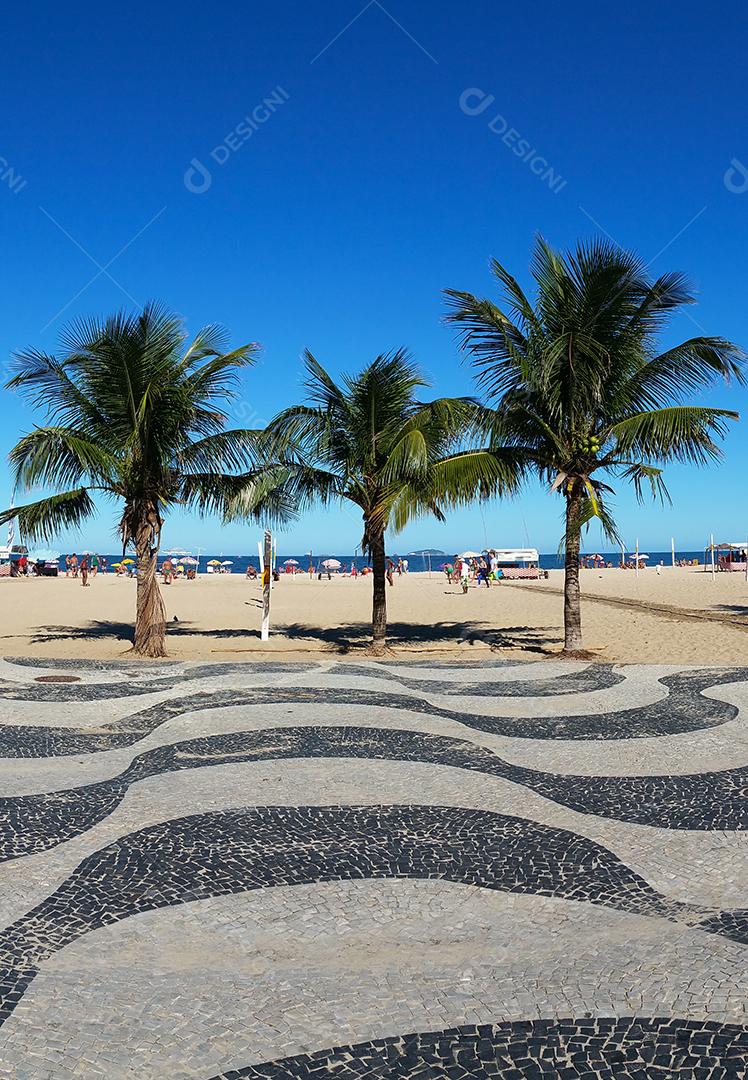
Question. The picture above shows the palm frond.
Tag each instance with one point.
(235, 449)
(46, 518)
(683, 370)
(59, 456)
(641, 473)
(679, 433)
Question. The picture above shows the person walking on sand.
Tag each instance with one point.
(67, 566)
(94, 565)
(74, 564)
(84, 571)
(390, 572)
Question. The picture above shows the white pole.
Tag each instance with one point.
(259, 551)
(711, 545)
(636, 564)
(267, 577)
(672, 548)
(623, 555)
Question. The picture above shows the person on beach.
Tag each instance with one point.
(449, 570)
(464, 575)
(390, 572)
(168, 571)
(354, 571)
(74, 564)
(84, 571)
(94, 565)
(67, 566)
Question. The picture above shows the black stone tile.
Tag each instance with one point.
(612, 1049)
(684, 709)
(215, 854)
(703, 801)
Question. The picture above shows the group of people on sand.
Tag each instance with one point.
(252, 573)
(85, 567)
(481, 571)
(173, 571)
(593, 562)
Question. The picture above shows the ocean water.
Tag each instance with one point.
(416, 563)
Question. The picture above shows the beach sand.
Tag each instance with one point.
(700, 620)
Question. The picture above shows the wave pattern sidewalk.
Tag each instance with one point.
(372, 870)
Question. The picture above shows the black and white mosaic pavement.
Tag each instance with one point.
(684, 709)
(625, 1048)
(704, 801)
(375, 882)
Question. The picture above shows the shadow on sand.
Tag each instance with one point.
(533, 639)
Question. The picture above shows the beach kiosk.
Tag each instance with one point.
(516, 563)
(727, 556)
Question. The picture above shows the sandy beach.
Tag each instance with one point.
(678, 616)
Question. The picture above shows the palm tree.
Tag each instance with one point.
(580, 389)
(133, 414)
(370, 442)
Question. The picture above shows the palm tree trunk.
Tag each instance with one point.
(379, 603)
(150, 615)
(572, 605)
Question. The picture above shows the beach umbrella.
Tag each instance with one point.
(128, 562)
(189, 561)
(227, 562)
(641, 558)
(116, 564)
(214, 562)
(331, 564)
(470, 555)
(291, 562)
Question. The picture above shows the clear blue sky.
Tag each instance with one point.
(367, 190)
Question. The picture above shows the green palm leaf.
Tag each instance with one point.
(367, 440)
(43, 519)
(579, 386)
(136, 412)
